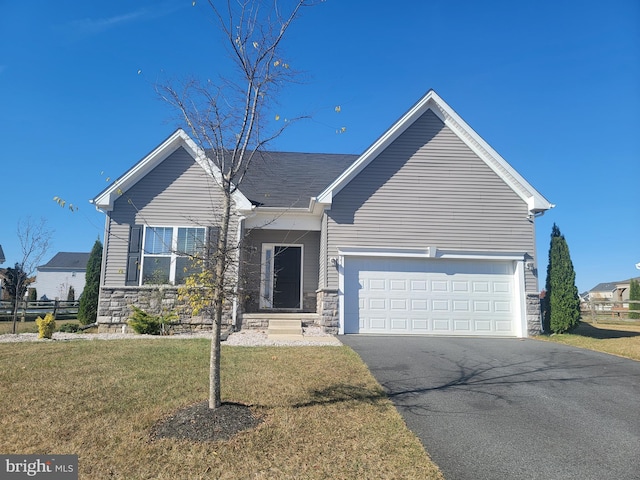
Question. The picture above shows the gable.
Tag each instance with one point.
(179, 139)
(428, 168)
(176, 191)
(429, 188)
(431, 102)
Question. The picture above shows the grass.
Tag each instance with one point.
(324, 415)
(616, 338)
(29, 326)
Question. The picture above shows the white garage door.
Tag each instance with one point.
(429, 296)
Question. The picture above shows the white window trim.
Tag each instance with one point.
(172, 250)
(266, 273)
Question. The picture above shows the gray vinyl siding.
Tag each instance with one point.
(253, 241)
(177, 192)
(429, 189)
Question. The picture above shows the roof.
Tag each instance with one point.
(611, 286)
(2, 259)
(604, 287)
(432, 101)
(290, 179)
(67, 261)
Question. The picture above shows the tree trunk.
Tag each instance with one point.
(16, 302)
(219, 294)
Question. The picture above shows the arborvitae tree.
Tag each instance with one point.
(88, 309)
(634, 294)
(561, 305)
(33, 295)
(71, 294)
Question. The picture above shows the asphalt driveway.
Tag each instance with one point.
(511, 408)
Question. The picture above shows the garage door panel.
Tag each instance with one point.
(420, 325)
(459, 287)
(452, 297)
(501, 287)
(439, 286)
(460, 305)
(376, 304)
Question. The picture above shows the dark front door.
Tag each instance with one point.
(287, 263)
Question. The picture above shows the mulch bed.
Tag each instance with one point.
(201, 424)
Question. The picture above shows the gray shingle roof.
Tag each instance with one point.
(67, 261)
(604, 287)
(610, 286)
(288, 179)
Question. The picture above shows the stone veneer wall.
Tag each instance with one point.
(114, 307)
(534, 315)
(328, 310)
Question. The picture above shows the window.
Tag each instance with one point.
(168, 254)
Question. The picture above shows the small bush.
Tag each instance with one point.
(69, 328)
(46, 326)
(149, 324)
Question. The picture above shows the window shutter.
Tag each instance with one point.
(133, 257)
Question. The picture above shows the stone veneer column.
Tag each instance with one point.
(328, 310)
(534, 315)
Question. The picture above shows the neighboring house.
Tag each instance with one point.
(64, 270)
(2, 259)
(429, 231)
(601, 296)
(611, 295)
(622, 291)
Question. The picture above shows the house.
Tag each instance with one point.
(623, 290)
(429, 231)
(64, 270)
(602, 295)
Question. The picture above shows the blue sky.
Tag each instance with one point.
(553, 86)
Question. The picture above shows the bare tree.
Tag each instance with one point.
(232, 119)
(35, 238)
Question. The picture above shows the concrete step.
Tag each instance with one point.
(280, 326)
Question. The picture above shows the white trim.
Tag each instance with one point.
(521, 328)
(429, 252)
(432, 101)
(266, 269)
(105, 200)
(172, 255)
(284, 219)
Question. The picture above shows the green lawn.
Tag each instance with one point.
(324, 414)
(622, 339)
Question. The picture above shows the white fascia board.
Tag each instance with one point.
(105, 200)
(428, 252)
(432, 101)
(284, 219)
